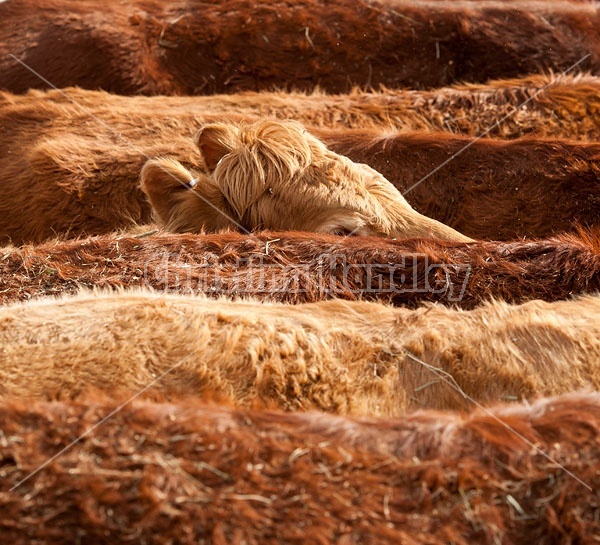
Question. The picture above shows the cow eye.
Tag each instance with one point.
(188, 185)
(343, 232)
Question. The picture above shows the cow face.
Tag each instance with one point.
(275, 175)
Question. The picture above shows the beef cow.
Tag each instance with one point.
(491, 189)
(203, 47)
(188, 473)
(308, 267)
(338, 356)
(557, 106)
(273, 174)
(58, 181)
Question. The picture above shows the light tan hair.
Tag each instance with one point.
(274, 174)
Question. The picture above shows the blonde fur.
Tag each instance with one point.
(275, 175)
(336, 356)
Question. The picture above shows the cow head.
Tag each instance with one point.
(275, 175)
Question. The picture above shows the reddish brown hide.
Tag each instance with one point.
(302, 267)
(491, 188)
(191, 473)
(200, 47)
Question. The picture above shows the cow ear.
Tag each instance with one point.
(214, 142)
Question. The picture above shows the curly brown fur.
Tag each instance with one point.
(189, 474)
(551, 105)
(308, 267)
(556, 106)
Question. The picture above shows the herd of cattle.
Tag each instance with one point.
(300, 272)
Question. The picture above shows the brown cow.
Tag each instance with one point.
(203, 47)
(249, 185)
(308, 267)
(491, 189)
(338, 356)
(273, 174)
(84, 180)
(539, 105)
(158, 473)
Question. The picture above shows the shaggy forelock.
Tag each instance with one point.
(264, 156)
